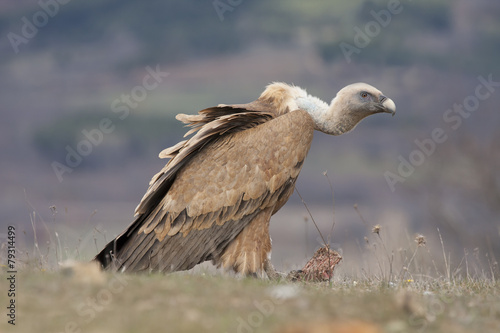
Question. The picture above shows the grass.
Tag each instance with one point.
(402, 292)
(60, 301)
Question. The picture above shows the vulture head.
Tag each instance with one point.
(352, 104)
(364, 100)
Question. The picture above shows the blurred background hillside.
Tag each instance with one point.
(64, 67)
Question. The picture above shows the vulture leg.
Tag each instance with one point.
(271, 272)
(250, 251)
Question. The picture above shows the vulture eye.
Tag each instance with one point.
(364, 94)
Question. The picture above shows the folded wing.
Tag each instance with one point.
(238, 163)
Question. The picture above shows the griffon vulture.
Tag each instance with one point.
(214, 198)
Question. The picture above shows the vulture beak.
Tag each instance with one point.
(387, 105)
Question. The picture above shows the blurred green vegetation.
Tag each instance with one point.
(139, 137)
(439, 34)
(172, 32)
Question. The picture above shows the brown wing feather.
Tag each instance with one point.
(238, 120)
(211, 189)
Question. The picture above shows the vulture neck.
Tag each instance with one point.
(333, 119)
(330, 119)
